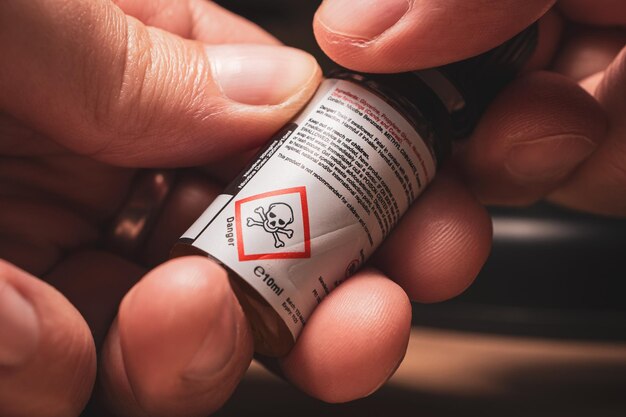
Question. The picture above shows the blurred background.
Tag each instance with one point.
(542, 332)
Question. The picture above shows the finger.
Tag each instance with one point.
(95, 282)
(533, 136)
(354, 341)
(108, 86)
(181, 343)
(17, 139)
(215, 24)
(402, 35)
(591, 83)
(598, 185)
(549, 38)
(36, 232)
(52, 205)
(441, 243)
(192, 194)
(596, 12)
(196, 19)
(589, 51)
(47, 356)
(91, 189)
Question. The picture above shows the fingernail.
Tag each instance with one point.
(548, 159)
(365, 19)
(218, 346)
(19, 327)
(260, 74)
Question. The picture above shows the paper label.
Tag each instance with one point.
(318, 200)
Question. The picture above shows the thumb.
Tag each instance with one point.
(47, 354)
(103, 84)
(403, 35)
(598, 185)
(180, 344)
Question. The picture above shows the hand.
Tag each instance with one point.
(544, 136)
(92, 91)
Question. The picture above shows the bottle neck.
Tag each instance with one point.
(446, 103)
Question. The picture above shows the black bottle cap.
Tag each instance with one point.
(479, 79)
(446, 102)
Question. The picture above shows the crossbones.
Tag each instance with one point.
(275, 221)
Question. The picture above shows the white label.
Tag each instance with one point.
(318, 200)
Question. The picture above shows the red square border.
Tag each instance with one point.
(275, 255)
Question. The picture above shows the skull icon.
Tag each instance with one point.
(274, 221)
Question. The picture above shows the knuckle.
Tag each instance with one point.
(159, 88)
(112, 101)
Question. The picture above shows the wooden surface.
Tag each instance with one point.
(450, 374)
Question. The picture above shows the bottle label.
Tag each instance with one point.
(318, 200)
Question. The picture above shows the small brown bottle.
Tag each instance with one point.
(317, 201)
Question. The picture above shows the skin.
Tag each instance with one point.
(78, 119)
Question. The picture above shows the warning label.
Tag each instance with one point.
(318, 200)
(273, 225)
(369, 157)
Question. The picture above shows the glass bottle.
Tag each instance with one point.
(318, 200)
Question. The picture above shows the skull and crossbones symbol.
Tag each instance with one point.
(275, 221)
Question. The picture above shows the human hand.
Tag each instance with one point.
(544, 136)
(93, 91)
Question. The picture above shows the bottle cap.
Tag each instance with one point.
(479, 79)
(451, 98)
